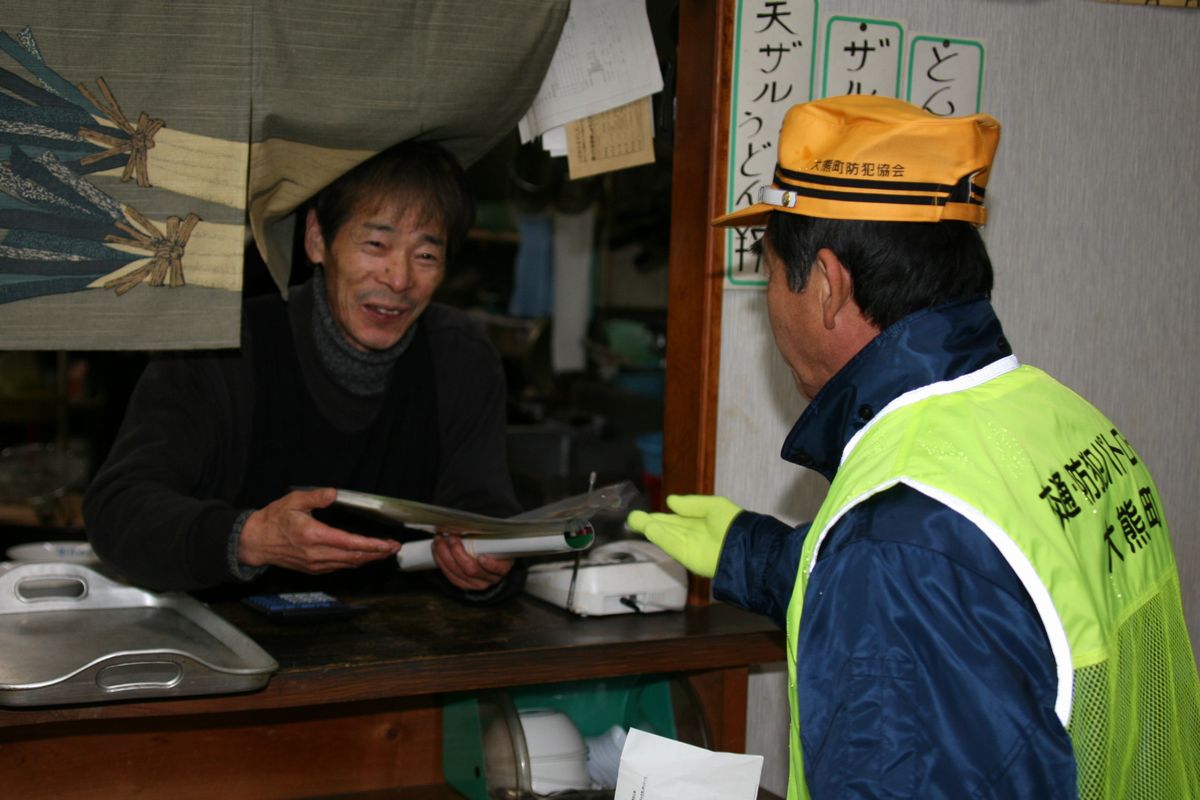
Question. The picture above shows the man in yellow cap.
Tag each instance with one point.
(987, 602)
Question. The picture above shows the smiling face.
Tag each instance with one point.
(381, 270)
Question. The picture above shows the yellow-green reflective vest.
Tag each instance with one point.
(1073, 510)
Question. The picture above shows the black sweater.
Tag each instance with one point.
(162, 507)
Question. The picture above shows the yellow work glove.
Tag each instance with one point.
(693, 534)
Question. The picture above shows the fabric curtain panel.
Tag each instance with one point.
(144, 145)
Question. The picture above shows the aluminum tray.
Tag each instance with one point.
(69, 634)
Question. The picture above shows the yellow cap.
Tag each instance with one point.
(877, 158)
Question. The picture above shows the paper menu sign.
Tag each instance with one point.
(615, 139)
(657, 768)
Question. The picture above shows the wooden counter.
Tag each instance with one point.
(355, 704)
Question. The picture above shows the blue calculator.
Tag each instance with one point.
(301, 605)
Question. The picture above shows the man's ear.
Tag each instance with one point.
(838, 286)
(314, 241)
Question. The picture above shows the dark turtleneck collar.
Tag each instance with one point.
(362, 373)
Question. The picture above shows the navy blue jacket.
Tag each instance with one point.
(922, 667)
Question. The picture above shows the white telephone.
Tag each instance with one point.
(629, 576)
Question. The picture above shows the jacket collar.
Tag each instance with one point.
(932, 345)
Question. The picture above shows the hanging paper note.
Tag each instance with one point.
(773, 57)
(862, 56)
(945, 76)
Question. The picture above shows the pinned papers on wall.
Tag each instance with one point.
(862, 56)
(782, 50)
(605, 58)
(605, 62)
(945, 76)
(773, 69)
(615, 139)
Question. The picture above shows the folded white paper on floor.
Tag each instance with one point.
(657, 768)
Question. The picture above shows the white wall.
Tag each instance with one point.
(1093, 233)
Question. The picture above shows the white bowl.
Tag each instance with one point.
(69, 551)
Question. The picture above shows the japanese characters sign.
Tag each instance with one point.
(773, 59)
(615, 139)
(1084, 480)
(776, 65)
(862, 56)
(945, 76)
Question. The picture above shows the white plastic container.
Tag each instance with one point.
(557, 753)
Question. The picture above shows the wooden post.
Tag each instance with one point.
(695, 268)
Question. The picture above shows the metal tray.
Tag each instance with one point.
(69, 634)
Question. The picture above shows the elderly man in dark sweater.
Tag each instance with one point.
(357, 382)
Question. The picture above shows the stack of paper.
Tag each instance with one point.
(559, 527)
(594, 104)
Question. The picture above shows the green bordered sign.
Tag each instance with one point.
(862, 56)
(945, 75)
(774, 57)
(775, 67)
